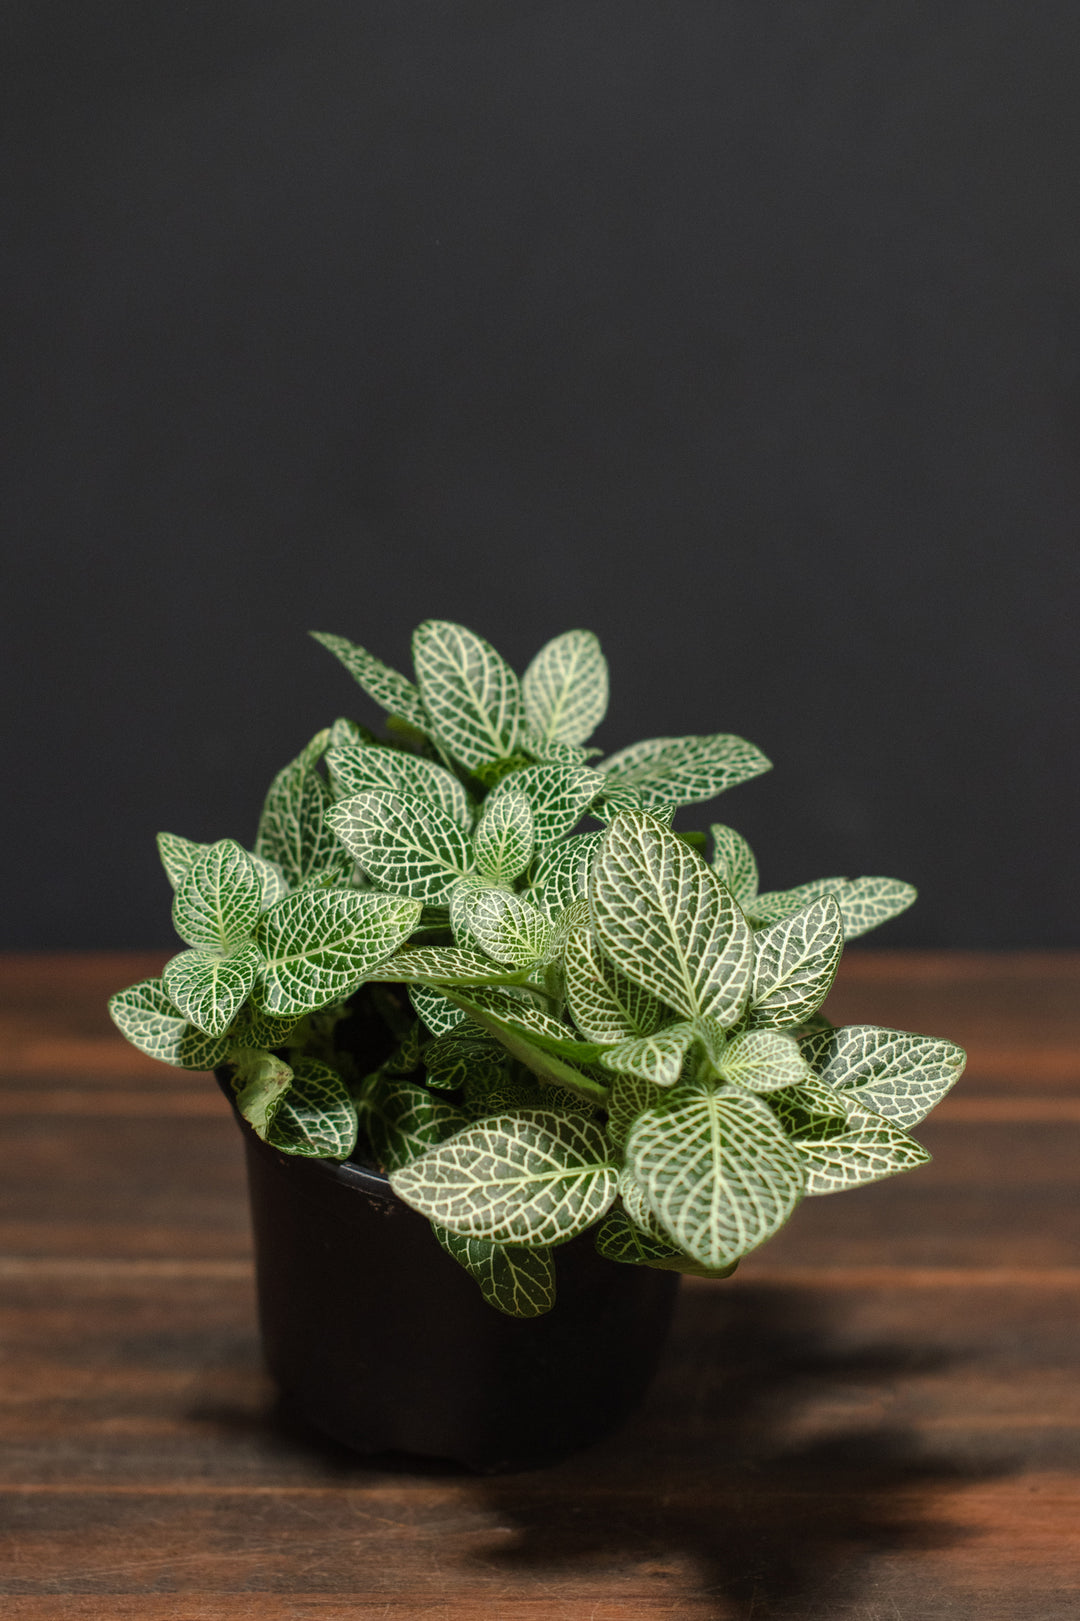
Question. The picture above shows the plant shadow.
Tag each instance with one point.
(763, 1471)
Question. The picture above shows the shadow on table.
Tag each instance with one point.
(757, 1466)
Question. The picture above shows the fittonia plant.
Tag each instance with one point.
(426, 964)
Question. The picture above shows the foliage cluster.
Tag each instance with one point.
(558, 1029)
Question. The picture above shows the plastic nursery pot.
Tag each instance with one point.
(384, 1343)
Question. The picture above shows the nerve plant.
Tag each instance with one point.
(425, 964)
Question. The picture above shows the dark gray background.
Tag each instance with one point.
(746, 334)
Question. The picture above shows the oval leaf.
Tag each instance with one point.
(667, 922)
(606, 1006)
(389, 689)
(795, 962)
(210, 990)
(471, 695)
(358, 770)
(734, 864)
(892, 1073)
(763, 1061)
(217, 904)
(718, 1173)
(519, 1282)
(864, 1155)
(566, 688)
(408, 845)
(316, 1118)
(684, 770)
(529, 1177)
(320, 944)
(145, 1014)
(504, 838)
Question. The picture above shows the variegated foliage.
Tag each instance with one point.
(581, 1027)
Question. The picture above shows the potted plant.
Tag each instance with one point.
(472, 1041)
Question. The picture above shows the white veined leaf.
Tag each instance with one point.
(407, 844)
(718, 1172)
(260, 1082)
(437, 1012)
(346, 733)
(464, 1055)
(863, 1155)
(618, 1238)
(561, 873)
(508, 927)
(811, 1110)
(543, 1028)
(360, 770)
(636, 1205)
(530, 1177)
(667, 922)
(209, 989)
(219, 901)
(316, 1117)
(618, 796)
(504, 838)
(320, 944)
(864, 902)
(444, 965)
(890, 1072)
(734, 864)
(178, 856)
(471, 695)
(684, 770)
(657, 1058)
(763, 1061)
(559, 796)
(516, 1281)
(867, 902)
(606, 1006)
(293, 833)
(389, 689)
(795, 962)
(255, 1029)
(402, 1120)
(629, 1097)
(566, 688)
(145, 1014)
(275, 885)
(557, 753)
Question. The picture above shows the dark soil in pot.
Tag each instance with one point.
(385, 1344)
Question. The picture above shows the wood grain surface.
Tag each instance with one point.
(876, 1419)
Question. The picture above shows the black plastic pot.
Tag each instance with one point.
(384, 1343)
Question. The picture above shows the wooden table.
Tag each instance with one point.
(877, 1419)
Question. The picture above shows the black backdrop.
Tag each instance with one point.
(744, 333)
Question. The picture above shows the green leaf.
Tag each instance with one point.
(763, 1061)
(812, 1109)
(275, 885)
(557, 753)
(292, 828)
(566, 688)
(407, 844)
(389, 689)
(684, 770)
(320, 944)
(864, 1155)
(146, 1016)
(363, 770)
(529, 1177)
(606, 1006)
(178, 856)
(561, 874)
(620, 1239)
(519, 1282)
(718, 1172)
(667, 921)
(559, 796)
(438, 1013)
(218, 902)
(657, 1058)
(462, 1056)
(534, 1047)
(544, 1029)
(504, 838)
(734, 864)
(867, 902)
(508, 927)
(346, 733)
(209, 990)
(471, 695)
(864, 902)
(260, 1084)
(253, 1028)
(402, 1120)
(444, 965)
(317, 1116)
(629, 1097)
(795, 962)
(889, 1072)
